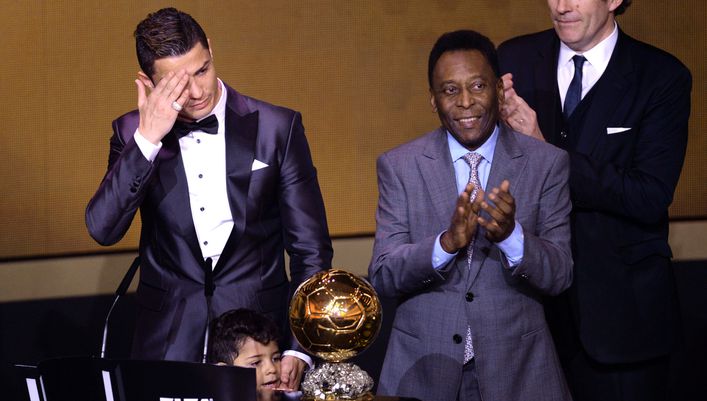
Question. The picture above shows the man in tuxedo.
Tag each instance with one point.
(472, 230)
(224, 183)
(620, 108)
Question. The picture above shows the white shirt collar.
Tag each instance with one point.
(486, 150)
(220, 109)
(598, 56)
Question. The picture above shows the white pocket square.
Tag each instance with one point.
(616, 130)
(257, 165)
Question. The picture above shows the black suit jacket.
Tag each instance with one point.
(623, 297)
(274, 208)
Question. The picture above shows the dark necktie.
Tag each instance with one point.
(208, 125)
(574, 92)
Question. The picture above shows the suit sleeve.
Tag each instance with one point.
(303, 215)
(547, 258)
(641, 190)
(398, 266)
(112, 208)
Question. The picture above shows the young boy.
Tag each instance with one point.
(245, 338)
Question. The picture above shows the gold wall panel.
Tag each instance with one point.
(355, 69)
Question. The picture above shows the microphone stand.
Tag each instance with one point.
(209, 288)
(122, 289)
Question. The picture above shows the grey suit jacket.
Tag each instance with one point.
(514, 353)
(275, 208)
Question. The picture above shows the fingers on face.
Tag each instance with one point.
(183, 97)
(175, 86)
(162, 85)
(172, 85)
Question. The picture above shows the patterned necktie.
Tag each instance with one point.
(473, 159)
(574, 92)
(208, 125)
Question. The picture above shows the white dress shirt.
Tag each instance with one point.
(204, 157)
(597, 59)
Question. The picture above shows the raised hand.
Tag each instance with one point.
(464, 221)
(157, 111)
(291, 370)
(502, 213)
(516, 112)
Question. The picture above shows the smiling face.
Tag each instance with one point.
(204, 89)
(265, 358)
(466, 94)
(582, 24)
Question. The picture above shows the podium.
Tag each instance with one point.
(177, 381)
(95, 379)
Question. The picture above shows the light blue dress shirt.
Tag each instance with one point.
(511, 247)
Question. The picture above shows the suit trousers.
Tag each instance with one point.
(469, 389)
(641, 381)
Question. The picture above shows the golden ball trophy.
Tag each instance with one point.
(335, 315)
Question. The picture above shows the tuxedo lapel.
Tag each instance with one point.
(508, 164)
(437, 170)
(606, 95)
(241, 132)
(173, 183)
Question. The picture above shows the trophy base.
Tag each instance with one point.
(337, 381)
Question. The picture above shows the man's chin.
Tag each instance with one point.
(189, 116)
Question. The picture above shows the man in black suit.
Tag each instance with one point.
(224, 183)
(620, 108)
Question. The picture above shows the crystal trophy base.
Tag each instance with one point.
(337, 381)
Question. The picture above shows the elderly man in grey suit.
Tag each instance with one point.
(472, 231)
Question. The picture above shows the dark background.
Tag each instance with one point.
(36, 330)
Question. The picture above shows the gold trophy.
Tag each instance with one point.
(335, 315)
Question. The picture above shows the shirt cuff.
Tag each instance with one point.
(148, 149)
(512, 247)
(301, 356)
(440, 257)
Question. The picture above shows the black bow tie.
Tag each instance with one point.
(208, 125)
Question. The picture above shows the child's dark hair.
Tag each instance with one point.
(230, 330)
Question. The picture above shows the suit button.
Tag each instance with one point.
(457, 339)
(469, 296)
(563, 134)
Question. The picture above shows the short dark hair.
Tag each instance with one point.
(166, 33)
(622, 8)
(462, 40)
(230, 330)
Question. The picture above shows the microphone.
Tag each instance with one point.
(122, 289)
(209, 288)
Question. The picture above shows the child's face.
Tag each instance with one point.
(265, 358)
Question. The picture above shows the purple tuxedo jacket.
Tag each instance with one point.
(275, 208)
